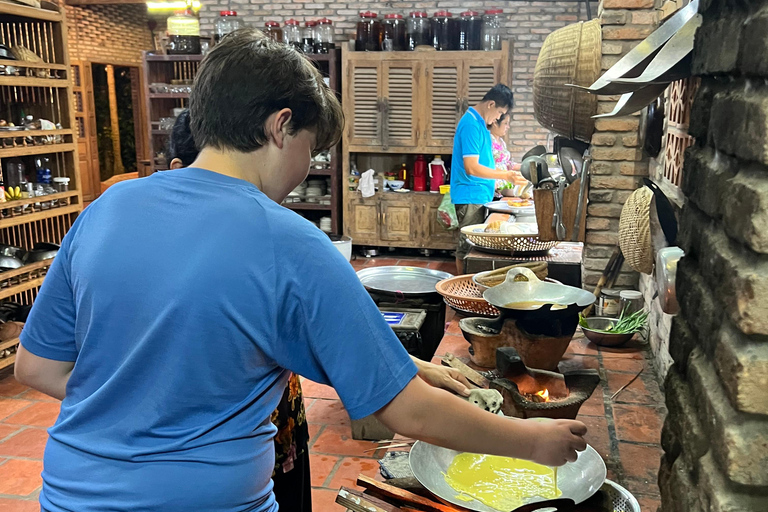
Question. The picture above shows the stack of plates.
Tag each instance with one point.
(325, 224)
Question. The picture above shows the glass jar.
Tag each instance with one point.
(368, 34)
(324, 36)
(226, 23)
(609, 304)
(418, 30)
(183, 34)
(631, 301)
(14, 173)
(308, 37)
(393, 33)
(292, 33)
(273, 31)
(61, 184)
(492, 29)
(445, 31)
(470, 31)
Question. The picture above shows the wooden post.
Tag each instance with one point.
(113, 118)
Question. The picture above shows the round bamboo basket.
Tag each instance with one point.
(570, 55)
(463, 294)
(635, 231)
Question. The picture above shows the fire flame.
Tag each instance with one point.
(544, 394)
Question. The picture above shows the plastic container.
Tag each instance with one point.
(308, 37)
(492, 21)
(418, 30)
(61, 184)
(470, 31)
(368, 33)
(273, 31)
(344, 245)
(226, 23)
(445, 31)
(324, 36)
(631, 301)
(393, 33)
(183, 34)
(609, 304)
(292, 33)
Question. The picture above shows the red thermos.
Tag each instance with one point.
(420, 174)
(437, 174)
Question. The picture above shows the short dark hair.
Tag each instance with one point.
(181, 144)
(501, 119)
(246, 78)
(501, 95)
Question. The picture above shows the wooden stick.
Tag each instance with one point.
(604, 278)
(398, 445)
(471, 375)
(390, 491)
(358, 502)
(625, 386)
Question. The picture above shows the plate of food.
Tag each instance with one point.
(513, 205)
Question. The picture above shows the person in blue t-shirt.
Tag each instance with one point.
(473, 169)
(179, 303)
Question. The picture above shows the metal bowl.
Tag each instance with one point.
(577, 480)
(600, 338)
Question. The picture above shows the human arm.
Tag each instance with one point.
(473, 167)
(442, 377)
(45, 375)
(422, 412)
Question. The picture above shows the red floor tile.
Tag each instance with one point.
(413, 263)
(597, 434)
(312, 389)
(453, 345)
(575, 362)
(20, 477)
(635, 393)
(337, 440)
(453, 328)
(621, 364)
(328, 412)
(632, 350)
(39, 414)
(595, 405)
(34, 394)
(446, 266)
(10, 406)
(640, 462)
(637, 423)
(648, 504)
(581, 346)
(6, 430)
(380, 262)
(10, 387)
(321, 467)
(349, 469)
(29, 443)
(314, 430)
(7, 505)
(325, 500)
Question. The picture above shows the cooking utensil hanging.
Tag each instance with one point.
(582, 196)
(633, 101)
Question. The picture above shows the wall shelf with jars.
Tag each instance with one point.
(41, 191)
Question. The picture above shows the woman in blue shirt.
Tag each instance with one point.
(178, 305)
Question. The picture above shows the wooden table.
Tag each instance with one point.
(564, 262)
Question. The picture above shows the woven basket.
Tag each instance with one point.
(570, 55)
(505, 242)
(462, 293)
(635, 231)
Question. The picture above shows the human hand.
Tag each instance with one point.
(557, 441)
(516, 178)
(444, 378)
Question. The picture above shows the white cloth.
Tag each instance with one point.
(366, 186)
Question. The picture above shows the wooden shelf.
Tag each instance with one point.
(32, 217)
(173, 58)
(165, 133)
(431, 150)
(168, 95)
(22, 287)
(320, 172)
(10, 274)
(13, 134)
(7, 361)
(30, 81)
(30, 12)
(307, 206)
(36, 150)
(8, 344)
(32, 65)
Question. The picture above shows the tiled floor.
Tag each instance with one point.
(625, 431)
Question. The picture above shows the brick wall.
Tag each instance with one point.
(716, 433)
(108, 33)
(527, 25)
(618, 161)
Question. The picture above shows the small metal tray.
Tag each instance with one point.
(401, 281)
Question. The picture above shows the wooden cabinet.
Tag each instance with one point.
(399, 219)
(443, 97)
(400, 81)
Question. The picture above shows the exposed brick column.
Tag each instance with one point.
(618, 161)
(716, 432)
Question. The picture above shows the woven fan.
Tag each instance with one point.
(635, 231)
(24, 54)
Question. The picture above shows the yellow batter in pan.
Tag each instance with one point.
(500, 482)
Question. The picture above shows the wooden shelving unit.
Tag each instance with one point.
(170, 69)
(26, 222)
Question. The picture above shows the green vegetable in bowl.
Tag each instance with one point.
(627, 324)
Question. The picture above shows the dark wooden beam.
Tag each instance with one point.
(104, 2)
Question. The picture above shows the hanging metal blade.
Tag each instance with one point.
(634, 101)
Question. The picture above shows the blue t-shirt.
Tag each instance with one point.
(184, 298)
(472, 138)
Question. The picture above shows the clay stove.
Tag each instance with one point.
(530, 393)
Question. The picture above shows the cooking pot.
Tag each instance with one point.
(42, 251)
(9, 263)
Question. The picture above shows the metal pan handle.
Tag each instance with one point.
(558, 505)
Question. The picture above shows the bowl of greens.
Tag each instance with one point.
(613, 332)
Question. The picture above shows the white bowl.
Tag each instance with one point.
(395, 184)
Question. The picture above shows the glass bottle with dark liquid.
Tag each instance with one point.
(445, 31)
(308, 37)
(470, 31)
(273, 31)
(324, 36)
(418, 30)
(393, 33)
(368, 34)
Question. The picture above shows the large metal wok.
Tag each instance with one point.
(577, 480)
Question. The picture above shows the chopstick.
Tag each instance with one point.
(622, 388)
